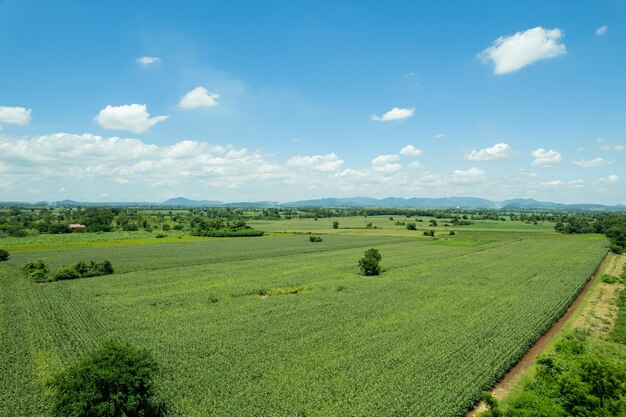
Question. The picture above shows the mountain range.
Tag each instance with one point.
(353, 202)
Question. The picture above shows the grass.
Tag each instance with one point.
(279, 326)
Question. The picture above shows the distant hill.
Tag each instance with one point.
(352, 202)
(185, 202)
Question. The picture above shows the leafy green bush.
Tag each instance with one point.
(452, 233)
(161, 235)
(335, 224)
(315, 238)
(370, 263)
(83, 270)
(37, 271)
(430, 233)
(113, 381)
(411, 226)
(4, 255)
(609, 279)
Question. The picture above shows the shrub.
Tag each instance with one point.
(37, 271)
(335, 224)
(369, 225)
(369, 264)
(4, 255)
(452, 233)
(411, 226)
(114, 380)
(161, 235)
(609, 279)
(315, 238)
(83, 270)
(616, 249)
(430, 233)
(66, 272)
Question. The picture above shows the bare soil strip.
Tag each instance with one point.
(509, 380)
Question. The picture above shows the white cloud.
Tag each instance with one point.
(592, 163)
(496, 152)
(394, 114)
(90, 157)
(131, 117)
(384, 163)
(385, 159)
(410, 150)
(415, 165)
(543, 158)
(148, 61)
(324, 163)
(473, 175)
(611, 147)
(15, 115)
(512, 53)
(611, 179)
(198, 97)
(601, 30)
(440, 136)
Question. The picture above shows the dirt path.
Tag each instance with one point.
(509, 380)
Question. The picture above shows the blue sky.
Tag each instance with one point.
(238, 101)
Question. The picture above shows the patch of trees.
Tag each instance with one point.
(572, 381)
(369, 264)
(220, 227)
(613, 225)
(39, 272)
(315, 239)
(113, 381)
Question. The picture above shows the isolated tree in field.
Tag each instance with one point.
(370, 263)
(433, 222)
(113, 381)
(335, 224)
(411, 226)
(4, 255)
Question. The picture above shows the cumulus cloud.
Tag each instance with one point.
(15, 115)
(123, 161)
(543, 158)
(440, 136)
(198, 97)
(324, 163)
(602, 30)
(496, 152)
(415, 165)
(473, 175)
(611, 179)
(148, 61)
(612, 147)
(592, 163)
(131, 117)
(394, 114)
(512, 53)
(385, 163)
(410, 150)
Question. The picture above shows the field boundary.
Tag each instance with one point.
(510, 379)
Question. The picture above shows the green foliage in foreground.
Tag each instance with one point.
(113, 381)
(571, 382)
(82, 269)
(370, 262)
(425, 338)
(38, 271)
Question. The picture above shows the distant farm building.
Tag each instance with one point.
(75, 226)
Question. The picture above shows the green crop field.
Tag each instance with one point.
(279, 326)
